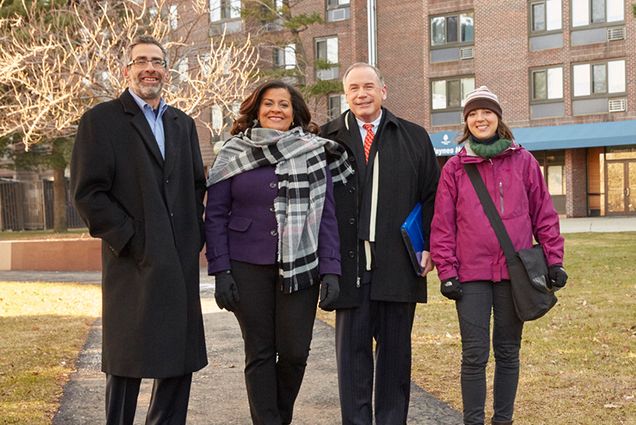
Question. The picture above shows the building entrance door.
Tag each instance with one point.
(621, 187)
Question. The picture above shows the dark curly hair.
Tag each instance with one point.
(248, 113)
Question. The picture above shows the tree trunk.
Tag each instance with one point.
(60, 224)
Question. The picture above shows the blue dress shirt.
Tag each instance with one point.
(154, 119)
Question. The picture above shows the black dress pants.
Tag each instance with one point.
(389, 324)
(277, 330)
(168, 403)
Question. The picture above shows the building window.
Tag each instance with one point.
(552, 165)
(588, 12)
(449, 94)
(338, 10)
(182, 69)
(599, 78)
(221, 10)
(547, 84)
(545, 15)
(337, 105)
(271, 13)
(452, 29)
(173, 17)
(326, 62)
(285, 57)
(216, 118)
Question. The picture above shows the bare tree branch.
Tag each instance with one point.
(56, 65)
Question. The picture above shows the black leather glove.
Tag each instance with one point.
(329, 291)
(451, 289)
(557, 276)
(225, 291)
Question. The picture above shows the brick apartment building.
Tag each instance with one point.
(564, 71)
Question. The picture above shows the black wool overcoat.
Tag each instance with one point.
(148, 213)
(408, 173)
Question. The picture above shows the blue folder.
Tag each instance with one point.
(413, 236)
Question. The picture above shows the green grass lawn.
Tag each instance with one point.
(43, 326)
(578, 363)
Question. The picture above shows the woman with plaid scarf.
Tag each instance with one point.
(272, 239)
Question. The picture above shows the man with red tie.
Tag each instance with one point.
(396, 168)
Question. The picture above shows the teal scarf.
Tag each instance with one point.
(488, 149)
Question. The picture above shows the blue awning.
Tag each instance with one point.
(567, 136)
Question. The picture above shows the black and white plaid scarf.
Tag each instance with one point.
(301, 161)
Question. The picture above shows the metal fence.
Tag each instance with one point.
(11, 205)
(28, 205)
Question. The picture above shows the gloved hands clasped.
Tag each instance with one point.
(329, 292)
(225, 291)
(451, 289)
(558, 277)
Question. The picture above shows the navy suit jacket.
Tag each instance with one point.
(240, 223)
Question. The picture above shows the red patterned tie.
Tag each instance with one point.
(368, 140)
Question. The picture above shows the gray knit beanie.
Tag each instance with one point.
(481, 98)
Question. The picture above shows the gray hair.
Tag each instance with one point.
(363, 65)
(145, 39)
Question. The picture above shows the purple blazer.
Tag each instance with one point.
(240, 223)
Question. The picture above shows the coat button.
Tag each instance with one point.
(273, 185)
(273, 233)
(352, 220)
(167, 181)
(271, 209)
(352, 254)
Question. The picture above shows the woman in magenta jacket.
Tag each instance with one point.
(470, 262)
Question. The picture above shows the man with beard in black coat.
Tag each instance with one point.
(396, 168)
(138, 182)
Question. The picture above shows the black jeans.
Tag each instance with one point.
(474, 311)
(277, 330)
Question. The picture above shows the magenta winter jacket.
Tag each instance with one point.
(463, 244)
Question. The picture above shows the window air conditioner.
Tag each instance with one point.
(615, 33)
(339, 14)
(617, 105)
(467, 53)
(328, 74)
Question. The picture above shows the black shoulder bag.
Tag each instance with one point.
(532, 295)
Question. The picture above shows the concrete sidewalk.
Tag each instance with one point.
(598, 224)
(218, 391)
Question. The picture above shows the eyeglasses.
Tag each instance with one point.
(156, 63)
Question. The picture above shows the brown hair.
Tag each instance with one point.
(503, 131)
(145, 39)
(248, 113)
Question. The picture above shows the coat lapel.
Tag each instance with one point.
(140, 124)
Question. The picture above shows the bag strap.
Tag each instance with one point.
(491, 211)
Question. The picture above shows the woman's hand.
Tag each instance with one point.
(329, 291)
(225, 291)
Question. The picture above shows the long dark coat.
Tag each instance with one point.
(148, 213)
(408, 174)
